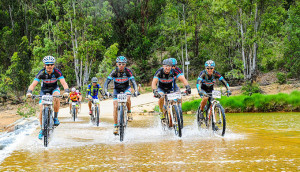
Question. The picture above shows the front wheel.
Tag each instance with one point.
(97, 115)
(46, 125)
(121, 123)
(176, 120)
(74, 112)
(219, 122)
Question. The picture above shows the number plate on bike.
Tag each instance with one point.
(47, 100)
(122, 97)
(96, 101)
(74, 103)
(216, 94)
(173, 96)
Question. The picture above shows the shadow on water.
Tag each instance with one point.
(252, 142)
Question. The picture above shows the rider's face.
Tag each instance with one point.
(210, 70)
(167, 68)
(94, 84)
(121, 66)
(49, 67)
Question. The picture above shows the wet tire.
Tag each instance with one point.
(97, 115)
(181, 116)
(219, 127)
(121, 123)
(46, 123)
(176, 120)
(74, 112)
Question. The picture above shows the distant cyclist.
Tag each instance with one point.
(49, 76)
(165, 77)
(206, 81)
(74, 97)
(79, 98)
(121, 76)
(93, 90)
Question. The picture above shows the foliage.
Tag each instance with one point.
(250, 88)
(26, 111)
(281, 77)
(255, 103)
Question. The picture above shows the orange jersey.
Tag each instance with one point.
(73, 96)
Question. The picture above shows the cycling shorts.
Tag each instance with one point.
(117, 91)
(44, 91)
(165, 91)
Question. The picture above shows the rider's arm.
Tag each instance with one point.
(133, 83)
(154, 83)
(105, 86)
(88, 91)
(221, 78)
(182, 79)
(64, 83)
(33, 85)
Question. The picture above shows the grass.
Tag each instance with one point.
(255, 103)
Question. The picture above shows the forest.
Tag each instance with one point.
(243, 37)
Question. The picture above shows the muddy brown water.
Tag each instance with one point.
(253, 142)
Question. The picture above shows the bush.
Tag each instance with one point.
(281, 77)
(26, 111)
(250, 88)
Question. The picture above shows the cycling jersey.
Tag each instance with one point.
(206, 82)
(73, 96)
(166, 81)
(121, 80)
(93, 90)
(49, 81)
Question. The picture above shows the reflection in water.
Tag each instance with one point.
(252, 142)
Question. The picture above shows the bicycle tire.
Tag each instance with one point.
(46, 123)
(121, 123)
(176, 120)
(181, 116)
(220, 126)
(74, 112)
(97, 116)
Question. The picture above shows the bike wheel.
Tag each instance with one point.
(121, 123)
(74, 112)
(219, 125)
(97, 115)
(176, 120)
(46, 123)
(181, 116)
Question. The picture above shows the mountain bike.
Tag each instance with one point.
(47, 116)
(172, 113)
(73, 111)
(95, 116)
(213, 115)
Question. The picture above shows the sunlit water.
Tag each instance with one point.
(253, 142)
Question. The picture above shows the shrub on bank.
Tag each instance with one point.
(255, 103)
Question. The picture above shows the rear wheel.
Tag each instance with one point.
(219, 125)
(97, 115)
(46, 123)
(176, 120)
(121, 123)
(181, 116)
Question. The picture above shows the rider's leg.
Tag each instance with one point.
(56, 106)
(70, 104)
(128, 104)
(90, 107)
(115, 113)
(76, 110)
(40, 114)
(203, 103)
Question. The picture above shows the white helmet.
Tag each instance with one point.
(73, 89)
(49, 60)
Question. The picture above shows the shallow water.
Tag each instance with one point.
(253, 142)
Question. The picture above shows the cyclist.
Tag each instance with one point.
(206, 81)
(79, 98)
(74, 97)
(121, 76)
(49, 76)
(92, 93)
(165, 77)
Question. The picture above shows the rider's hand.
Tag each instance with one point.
(228, 92)
(66, 93)
(202, 93)
(188, 89)
(29, 94)
(156, 94)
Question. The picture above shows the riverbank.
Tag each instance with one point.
(254, 103)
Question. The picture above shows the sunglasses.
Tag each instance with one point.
(121, 64)
(209, 68)
(49, 64)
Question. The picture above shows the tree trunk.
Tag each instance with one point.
(243, 49)
(11, 18)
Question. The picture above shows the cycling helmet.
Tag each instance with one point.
(121, 59)
(210, 63)
(73, 89)
(168, 62)
(174, 61)
(164, 62)
(94, 79)
(77, 91)
(49, 60)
